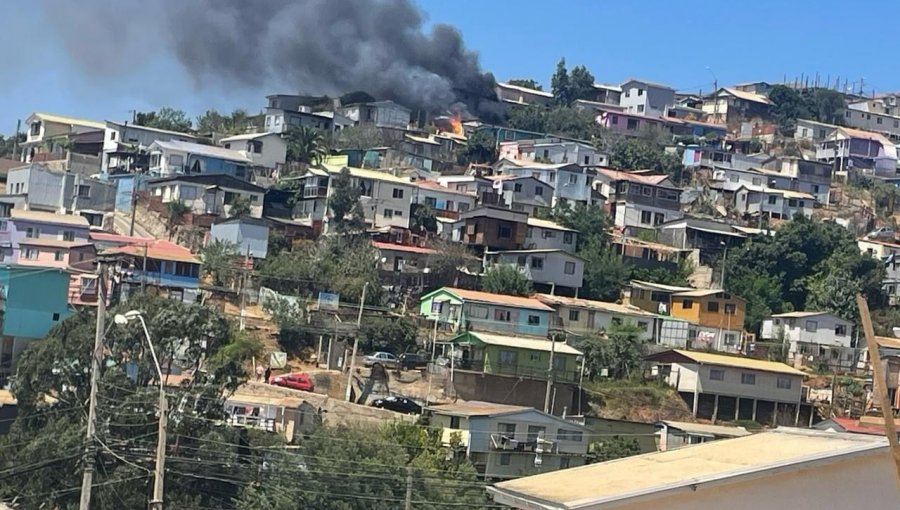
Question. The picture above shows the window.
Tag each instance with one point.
(507, 429)
(812, 326)
(188, 192)
(58, 256)
(645, 217)
(505, 459)
(534, 320)
(84, 191)
(647, 191)
(529, 232)
(792, 202)
(573, 315)
(508, 357)
(666, 194)
(478, 312)
(773, 199)
(388, 213)
(535, 431)
(614, 119)
(569, 435)
(567, 238)
(659, 218)
(398, 193)
(840, 330)
(643, 326)
(730, 339)
(436, 307)
(504, 232)
(573, 179)
(68, 235)
(548, 234)
(398, 213)
(712, 307)
(3, 225)
(616, 320)
(587, 160)
(784, 383)
(749, 379)
(878, 120)
(32, 232)
(454, 422)
(431, 202)
(730, 308)
(88, 286)
(716, 374)
(55, 317)
(35, 128)
(570, 268)
(640, 92)
(112, 135)
(517, 187)
(687, 304)
(31, 254)
(537, 263)
(632, 124)
(502, 315)
(640, 108)
(539, 191)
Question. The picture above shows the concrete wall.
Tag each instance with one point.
(538, 238)
(593, 321)
(511, 390)
(765, 388)
(553, 269)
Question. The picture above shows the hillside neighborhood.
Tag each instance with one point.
(545, 294)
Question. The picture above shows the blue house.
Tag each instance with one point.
(249, 235)
(177, 158)
(469, 310)
(168, 267)
(32, 302)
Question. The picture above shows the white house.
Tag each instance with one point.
(386, 199)
(783, 468)
(775, 203)
(548, 268)
(813, 338)
(571, 182)
(646, 98)
(505, 441)
(168, 158)
(212, 194)
(124, 144)
(585, 316)
(444, 201)
(474, 184)
(45, 131)
(383, 114)
(878, 248)
(523, 192)
(554, 150)
(639, 200)
(267, 150)
(548, 235)
(514, 94)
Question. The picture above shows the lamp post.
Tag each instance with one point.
(159, 471)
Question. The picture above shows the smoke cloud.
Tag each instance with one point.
(308, 46)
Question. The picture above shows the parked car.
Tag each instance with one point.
(413, 361)
(296, 381)
(385, 359)
(398, 405)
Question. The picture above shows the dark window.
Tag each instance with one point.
(534, 320)
(454, 422)
(632, 124)
(517, 187)
(504, 232)
(573, 315)
(748, 378)
(658, 218)
(55, 317)
(712, 306)
(567, 238)
(398, 193)
(840, 330)
(730, 309)
(716, 374)
(537, 263)
(687, 304)
(646, 217)
(539, 191)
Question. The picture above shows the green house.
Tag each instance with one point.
(517, 356)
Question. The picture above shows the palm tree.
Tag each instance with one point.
(305, 145)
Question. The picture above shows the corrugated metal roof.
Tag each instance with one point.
(733, 361)
(522, 342)
(705, 429)
(535, 222)
(477, 408)
(72, 121)
(748, 96)
(48, 217)
(595, 305)
(525, 89)
(203, 150)
(498, 299)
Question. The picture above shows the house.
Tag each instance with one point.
(853, 425)
(266, 150)
(639, 200)
(891, 283)
(878, 248)
(874, 115)
(208, 194)
(606, 93)
(37, 187)
(386, 199)
(36, 238)
(812, 131)
(545, 268)
(774, 203)
(639, 432)
(553, 150)
(584, 317)
(490, 228)
(523, 193)
(646, 98)
(549, 235)
(170, 158)
(729, 106)
(648, 254)
(33, 303)
(505, 441)
(571, 183)
(171, 269)
(672, 435)
(49, 134)
(381, 114)
(468, 310)
(784, 468)
(249, 235)
(125, 146)
(761, 88)
(404, 265)
(280, 120)
(803, 175)
(853, 149)
(631, 124)
(732, 388)
(514, 94)
(694, 128)
(443, 201)
(716, 158)
(309, 205)
(472, 184)
(817, 339)
(709, 237)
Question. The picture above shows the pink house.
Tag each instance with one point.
(628, 123)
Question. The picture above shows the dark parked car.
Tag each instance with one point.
(413, 361)
(295, 381)
(398, 405)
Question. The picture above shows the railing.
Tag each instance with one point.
(527, 372)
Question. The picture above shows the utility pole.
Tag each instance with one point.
(159, 472)
(724, 260)
(409, 488)
(16, 139)
(244, 283)
(550, 374)
(352, 366)
(87, 480)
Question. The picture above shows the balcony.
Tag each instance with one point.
(531, 444)
(511, 370)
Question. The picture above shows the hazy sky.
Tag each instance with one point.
(661, 40)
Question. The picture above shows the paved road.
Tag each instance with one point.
(122, 225)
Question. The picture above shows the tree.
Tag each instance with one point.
(527, 118)
(505, 279)
(220, 261)
(605, 274)
(446, 261)
(197, 339)
(8, 145)
(214, 122)
(572, 122)
(175, 211)
(481, 147)
(346, 211)
(590, 221)
(613, 448)
(166, 118)
(825, 105)
(305, 145)
(559, 84)
(423, 219)
(391, 334)
(787, 107)
(581, 83)
(619, 350)
(240, 207)
(363, 136)
(528, 83)
(643, 154)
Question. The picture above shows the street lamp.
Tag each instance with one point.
(159, 471)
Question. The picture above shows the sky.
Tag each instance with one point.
(687, 45)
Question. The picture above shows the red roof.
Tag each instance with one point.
(498, 299)
(120, 239)
(854, 426)
(403, 248)
(158, 249)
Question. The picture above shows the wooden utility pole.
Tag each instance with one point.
(550, 374)
(87, 480)
(409, 489)
(879, 381)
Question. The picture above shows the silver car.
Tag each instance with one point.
(385, 359)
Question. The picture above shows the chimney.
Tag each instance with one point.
(626, 296)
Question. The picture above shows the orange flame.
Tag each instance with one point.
(456, 125)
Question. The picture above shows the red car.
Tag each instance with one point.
(294, 381)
